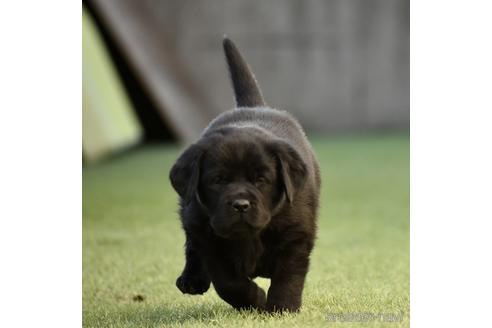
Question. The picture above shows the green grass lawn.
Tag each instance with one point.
(133, 242)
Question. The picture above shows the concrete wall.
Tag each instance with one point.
(339, 65)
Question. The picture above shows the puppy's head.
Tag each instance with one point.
(239, 179)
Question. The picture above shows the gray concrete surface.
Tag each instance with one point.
(338, 65)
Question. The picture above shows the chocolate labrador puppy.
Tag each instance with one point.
(249, 190)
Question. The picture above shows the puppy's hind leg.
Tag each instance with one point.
(194, 279)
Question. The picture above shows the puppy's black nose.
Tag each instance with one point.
(241, 205)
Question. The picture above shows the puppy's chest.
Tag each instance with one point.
(243, 257)
(259, 260)
(251, 258)
(267, 261)
(247, 259)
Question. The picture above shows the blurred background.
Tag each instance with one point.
(153, 70)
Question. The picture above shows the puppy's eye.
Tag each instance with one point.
(260, 179)
(218, 179)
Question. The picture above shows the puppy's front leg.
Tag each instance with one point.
(240, 292)
(194, 279)
(287, 282)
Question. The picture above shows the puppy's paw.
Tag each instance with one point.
(193, 285)
(283, 306)
(261, 299)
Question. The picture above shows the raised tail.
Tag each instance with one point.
(246, 90)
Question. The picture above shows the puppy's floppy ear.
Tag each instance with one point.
(185, 173)
(293, 170)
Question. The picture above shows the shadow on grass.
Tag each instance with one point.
(166, 314)
(172, 315)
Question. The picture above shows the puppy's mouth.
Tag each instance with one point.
(239, 228)
(226, 234)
